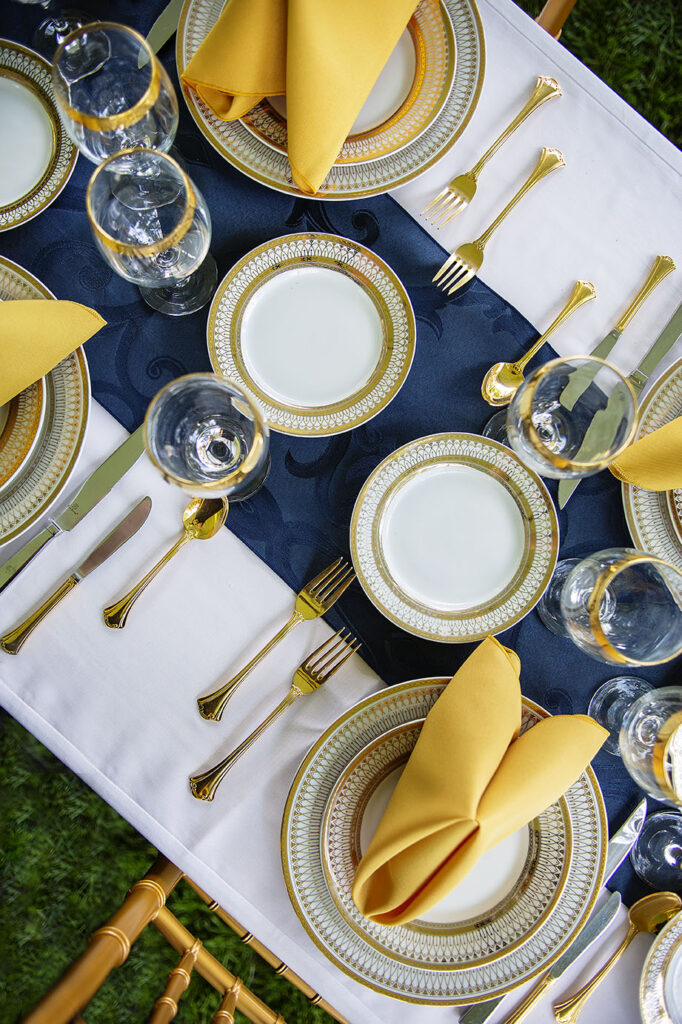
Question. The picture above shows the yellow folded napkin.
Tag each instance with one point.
(35, 335)
(324, 54)
(655, 461)
(470, 782)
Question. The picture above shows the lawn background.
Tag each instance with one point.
(66, 858)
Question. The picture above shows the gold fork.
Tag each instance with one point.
(315, 599)
(308, 677)
(457, 195)
(466, 261)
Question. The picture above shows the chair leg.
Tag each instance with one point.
(553, 16)
(166, 1006)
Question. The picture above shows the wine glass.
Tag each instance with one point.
(568, 437)
(619, 605)
(657, 855)
(55, 26)
(152, 225)
(208, 437)
(112, 91)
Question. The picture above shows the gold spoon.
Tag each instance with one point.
(201, 520)
(503, 379)
(646, 915)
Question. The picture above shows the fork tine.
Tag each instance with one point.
(433, 202)
(333, 593)
(455, 271)
(457, 208)
(328, 580)
(462, 281)
(320, 653)
(322, 576)
(455, 202)
(446, 266)
(442, 203)
(351, 648)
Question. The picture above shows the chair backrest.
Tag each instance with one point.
(110, 945)
(553, 16)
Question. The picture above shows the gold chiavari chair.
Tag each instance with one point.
(110, 945)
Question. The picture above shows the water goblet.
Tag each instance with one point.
(112, 91)
(620, 606)
(152, 225)
(567, 441)
(208, 437)
(55, 26)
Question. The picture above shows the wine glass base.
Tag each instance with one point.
(610, 702)
(549, 606)
(54, 29)
(179, 298)
(496, 428)
(657, 855)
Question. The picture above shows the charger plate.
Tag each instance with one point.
(316, 328)
(660, 987)
(41, 477)
(654, 518)
(511, 918)
(417, 110)
(453, 538)
(37, 156)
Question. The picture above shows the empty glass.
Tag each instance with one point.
(112, 91)
(56, 25)
(152, 226)
(619, 606)
(569, 432)
(657, 854)
(208, 437)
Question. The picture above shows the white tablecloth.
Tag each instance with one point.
(117, 707)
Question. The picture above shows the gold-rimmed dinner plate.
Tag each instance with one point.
(36, 155)
(660, 987)
(41, 477)
(654, 518)
(418, 108)
(21, 420)
(316, 328)
(507, 922)
(453, 538)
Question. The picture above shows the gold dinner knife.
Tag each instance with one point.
(13, 641)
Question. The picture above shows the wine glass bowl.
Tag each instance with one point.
(112, 91)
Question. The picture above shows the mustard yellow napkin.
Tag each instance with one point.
(35, 335)
(324, 54)
(655, 461)
(470, 782)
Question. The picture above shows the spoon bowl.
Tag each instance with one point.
(501, 383)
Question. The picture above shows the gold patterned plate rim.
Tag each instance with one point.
(461, 982)
(355, 261)
(44, 475)
(666, 944)
(654, 517)
(515, 598)
(34, 72)
(433, 42)
(548, 852)
(237, 143)
(22, 420)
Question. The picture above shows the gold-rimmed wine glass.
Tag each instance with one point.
(152, 225)
(112, 92)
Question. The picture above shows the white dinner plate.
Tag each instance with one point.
(418, 108)
(36, 155)
(654, 518)
(453, 538)
(507, 922)
(317, 328)
(41, 477)
(660, 987)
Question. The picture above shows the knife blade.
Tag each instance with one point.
(638, 378)
(165, 25)
(13, 641)
(619, 846)
(95, 487)
(580, 379)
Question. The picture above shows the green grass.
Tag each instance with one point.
(66, 858)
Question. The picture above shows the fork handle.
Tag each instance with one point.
(213, 704)
(568, 1011)
(204, 786)
(545, 89)
(550, 160)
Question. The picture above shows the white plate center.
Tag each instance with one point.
(389, 92)
(489, 881)
(452, 537)
(311, 336)
(27, 140)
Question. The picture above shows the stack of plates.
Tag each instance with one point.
(42, 429)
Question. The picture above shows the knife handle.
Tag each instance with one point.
(531, 999)
(18, 561)
(13, 641)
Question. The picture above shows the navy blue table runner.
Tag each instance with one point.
(299, 521)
